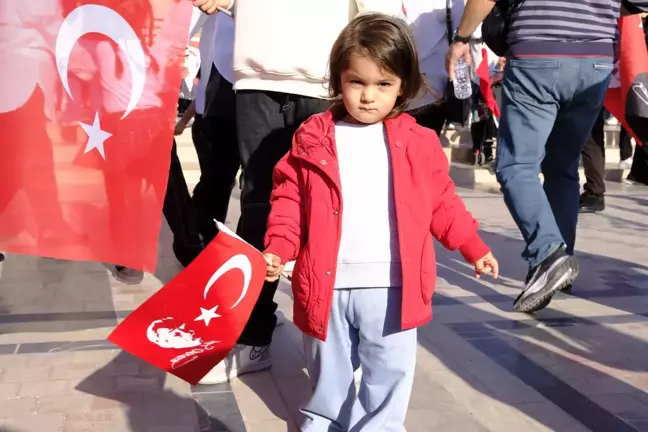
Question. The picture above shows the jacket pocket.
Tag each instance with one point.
(428, 264)
(301, 281)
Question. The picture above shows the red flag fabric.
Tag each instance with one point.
(192, 323)
(627, 100)
(89, 96)
(485, 84)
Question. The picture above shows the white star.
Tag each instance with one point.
(96, 136)
(207, 315)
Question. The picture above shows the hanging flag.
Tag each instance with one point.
(485, 84)
(88, 104)
(192, 323)
(627, 98)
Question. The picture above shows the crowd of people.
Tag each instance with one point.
(333, 110)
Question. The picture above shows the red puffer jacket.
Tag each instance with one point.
(306, 217)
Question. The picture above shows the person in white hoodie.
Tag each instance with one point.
(281, 51)
(428, 22)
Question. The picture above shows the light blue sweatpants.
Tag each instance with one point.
(364, 329)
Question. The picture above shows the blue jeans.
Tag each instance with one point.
(549, 106)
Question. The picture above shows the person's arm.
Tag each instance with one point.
(452, 224)
(212, 6)
(286, 223)
(474, 14)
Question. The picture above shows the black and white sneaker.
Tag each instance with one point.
(553, 274)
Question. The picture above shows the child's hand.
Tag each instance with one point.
(274, 269)
(487, 265)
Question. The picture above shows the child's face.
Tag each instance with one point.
(369, 93)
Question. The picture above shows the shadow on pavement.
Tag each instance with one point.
(560, 358)
(150, 398)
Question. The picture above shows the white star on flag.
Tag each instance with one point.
(96, 136)
(207, 315)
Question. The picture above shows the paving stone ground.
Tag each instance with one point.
(581, 364)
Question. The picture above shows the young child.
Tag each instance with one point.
(358, 201)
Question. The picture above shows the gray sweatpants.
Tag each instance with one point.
(364, 329)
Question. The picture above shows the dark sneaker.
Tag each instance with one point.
(128, 276)
(2, 257)
(591, 203)
(553, 274)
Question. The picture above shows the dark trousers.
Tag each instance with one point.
(180, 213)
(593, 155)
(639, 170)
(266, 123)
(625, 144)
(431, 116)
(215, 137)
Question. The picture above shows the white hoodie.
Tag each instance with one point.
(427, 19)
(284, 46)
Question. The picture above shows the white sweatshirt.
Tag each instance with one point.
(284, 46)
(368, 256)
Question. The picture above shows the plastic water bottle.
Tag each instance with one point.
(462, 83)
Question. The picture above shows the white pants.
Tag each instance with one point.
(364, 329)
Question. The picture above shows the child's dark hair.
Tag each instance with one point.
(389, 42)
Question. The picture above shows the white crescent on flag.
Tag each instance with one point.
(92, 18)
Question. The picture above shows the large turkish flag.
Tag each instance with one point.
(627, 98)
(88, 101)
(192, 323)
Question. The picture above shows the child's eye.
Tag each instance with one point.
(385, 84)
(355, 82)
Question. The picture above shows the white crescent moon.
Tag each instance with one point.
(240, 262)
(100, 19)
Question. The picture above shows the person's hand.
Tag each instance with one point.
(274, 268)
(501, 63)
(179, 128)
(487, 265)
(456, 51)
(211, 6)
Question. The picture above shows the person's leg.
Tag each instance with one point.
(639, 171)
(224, 160)
(593, 155)
(330, 367)
(625, 146)
(262, 141)
(581, 88)
(572, 128)
(529, 109)
(266, 124)
(180, 213)
(388, 358)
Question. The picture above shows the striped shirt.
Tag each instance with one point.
(567, 27)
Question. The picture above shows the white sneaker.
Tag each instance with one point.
(357, 376)
(627, 181)
(625, 164)
(243, 359)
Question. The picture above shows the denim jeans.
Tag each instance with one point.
(549, 106)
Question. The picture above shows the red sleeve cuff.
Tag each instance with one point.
(474, 249)
(282, 248)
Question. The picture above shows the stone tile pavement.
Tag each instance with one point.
(581, 364)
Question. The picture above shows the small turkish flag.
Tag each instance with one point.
(627, 98)
(88, 99)
(194, 321)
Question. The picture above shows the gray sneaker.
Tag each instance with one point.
(553, 274)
